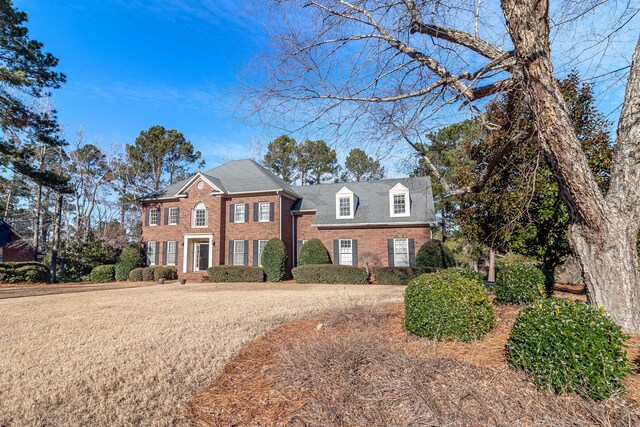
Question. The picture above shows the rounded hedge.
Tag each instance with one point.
(274, 260)
(469, 274)
(130, 258)
(447, 305)
(168, 273)
(235, 273)
(569, 346)
(24, 272)
(147, 273)
(135, 275)
(323, 273)
(520, 284)
(313, 252)
(435, 255)
(103, 274)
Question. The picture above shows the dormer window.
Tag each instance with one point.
(399, 201)
(345, 204)
(200, 217)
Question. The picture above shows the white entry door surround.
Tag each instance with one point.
(189, 249)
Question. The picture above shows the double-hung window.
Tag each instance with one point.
(172, 253)
(261, 245)
(346, 252)
(239, 214)
(152, 252)
(401, 252)
(399, 201)
(154, 216)
(264, 211)
(173, 216)
(399, 204)
(238, 252)
(200, 219)
(345, 207)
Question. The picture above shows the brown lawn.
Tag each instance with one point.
(133, 356)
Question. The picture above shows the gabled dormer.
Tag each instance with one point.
(399, 201)
(346, 204)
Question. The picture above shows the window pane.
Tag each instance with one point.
(201, 217)
(399, 204)
(401, 252)
(153, 217)
(172, 258)
(239, 217)
(261, 245)
(173, 215)
(264, 211)
(345, 253)
(152, 248)
(345, 206)
(238, 252)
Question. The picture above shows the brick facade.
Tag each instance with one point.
(17, 251)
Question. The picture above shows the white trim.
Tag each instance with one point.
(345, 193)
(340, 251)
(260, 252)
(155, 253)
(375, 224)
(235, 212)
(175, 253)
(157, 217)
(260, 211)
(185, 250)
(395, 252)
(192, 180)
(177, 217)
(399, 190)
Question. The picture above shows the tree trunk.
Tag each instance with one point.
(36, 225)
(53, 267)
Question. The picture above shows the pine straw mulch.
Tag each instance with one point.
(358, 367)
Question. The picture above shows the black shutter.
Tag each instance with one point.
(354, 252)
(256, 261)
(271, 211)
(256, 208)
(232, 211)
(246, 212)
(166, 216)
(157, 254)
(390, 246)
(177, 216)
(336, 252)
(412, 253)
(246, 252)
(230, 252)
(146, 254)
(164, 253)
(146, 216)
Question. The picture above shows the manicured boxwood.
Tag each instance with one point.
(399, 275)
(313, 252)
(569, 346)
(448, 306)
(147, 273)
(342, 274)
(235, 273)
(130, 258)
(520, 284)
(168, 273)
(103, 274)
(469, 274)
(274, 260)
(434, 254)
(24, 272)
(135, 275)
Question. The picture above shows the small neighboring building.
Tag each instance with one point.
(226, 215)
(13, 248)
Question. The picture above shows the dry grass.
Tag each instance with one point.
(361, 369)
(132, 356)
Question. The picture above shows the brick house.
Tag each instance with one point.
(13, 248)
(225, 216)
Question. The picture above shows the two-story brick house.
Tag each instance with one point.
(225, 216)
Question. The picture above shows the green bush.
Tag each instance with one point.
(569, 346)
(130, 258)
(434, 255)
(77, 261)
(167, 273)
(446, 305)
(313, 252)
(342, 274)
(235, 273)
(103, 274)
(274, 260)
(147, 273)
(520, 284)
(24, 272)
(469, 274)
(135, 275)
(399, 275)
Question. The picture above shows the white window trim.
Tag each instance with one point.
(175, 253)
(235, 212)
(260, 252)
(395, 253)
(157, 211)
(170, 215)
(194, 220)
(400, 189)
(235, 252)
(260, 211)
(345, 193)
(152, 260)
(340, 251)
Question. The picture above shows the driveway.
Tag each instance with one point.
(133, 356)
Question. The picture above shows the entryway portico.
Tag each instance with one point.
(198, 255)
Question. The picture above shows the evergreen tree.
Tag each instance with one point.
(282, 157)
(361, 167)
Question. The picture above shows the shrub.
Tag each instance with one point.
(130, 258)
(520, 284)
(447, 305)
(77, 261)
(433, 254)
(147, 273)
(24, 272)
(168, 273)
(313, 252)
(569, 346)
(469, 274)
(343, 274)
(235, 273)
(135, 275)
(399, 275)
(274, 260)
(103, 274)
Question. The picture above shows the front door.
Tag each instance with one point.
(201, 259)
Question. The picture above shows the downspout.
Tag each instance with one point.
(280, 196)
(294, 246)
